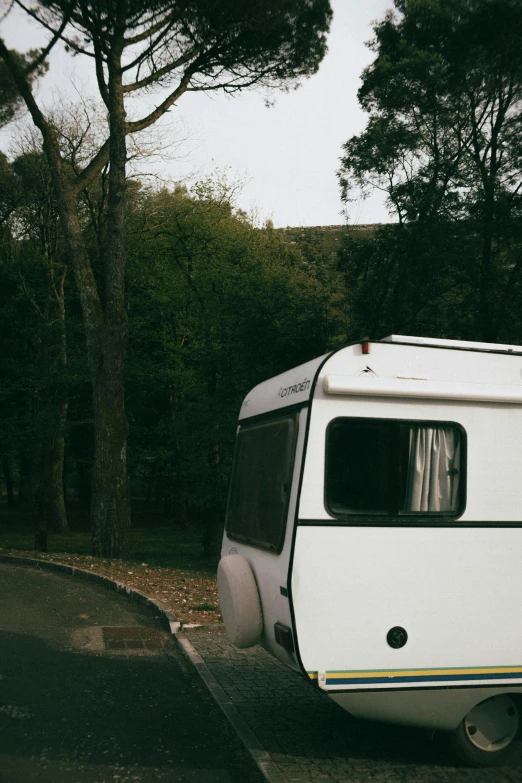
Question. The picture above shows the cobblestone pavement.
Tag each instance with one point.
(312, 739)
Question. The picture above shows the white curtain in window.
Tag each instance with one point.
(433, 469)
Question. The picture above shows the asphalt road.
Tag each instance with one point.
(72, 711)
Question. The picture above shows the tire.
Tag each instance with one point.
(485, 737)
(239, 599)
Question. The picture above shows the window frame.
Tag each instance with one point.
(270, 418)
(406, 517)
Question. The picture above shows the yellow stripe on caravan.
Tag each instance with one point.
(419, 672)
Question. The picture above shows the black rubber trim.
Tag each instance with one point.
(295, 408)
(297, 501)
(292, 546)
(360, 521)
(256, 543)
(442, 347)
(414, 514)
(472, 686)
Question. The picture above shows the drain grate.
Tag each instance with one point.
(133, 638)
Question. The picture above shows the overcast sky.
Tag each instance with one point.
(286, 155)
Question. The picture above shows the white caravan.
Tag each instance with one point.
(373, 537)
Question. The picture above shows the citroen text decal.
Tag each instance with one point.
(285, 391)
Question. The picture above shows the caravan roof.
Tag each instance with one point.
(395, 366)
(462, 345)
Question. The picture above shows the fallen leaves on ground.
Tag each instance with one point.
(191, 595)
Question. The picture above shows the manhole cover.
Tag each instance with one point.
(133, 638)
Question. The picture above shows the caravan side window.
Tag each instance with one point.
(261, 482)
(390, 467)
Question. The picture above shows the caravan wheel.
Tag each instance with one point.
(485, 736)
(239, 600)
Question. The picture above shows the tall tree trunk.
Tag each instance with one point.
(28, 484)
(51, 500)
(57, 516)
(105, 326)
(110, 511)
(110, 508)
(8, 481)
(84, 484)
(213, 520)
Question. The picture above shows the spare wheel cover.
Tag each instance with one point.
(239, 599)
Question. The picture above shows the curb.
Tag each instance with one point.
(89, 576)
(265, 763)
(261, 757)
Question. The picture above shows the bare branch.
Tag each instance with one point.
(100, 76)
(45, 52)
(29, 297)
(7, 11)
(159, 111)
(68, 41)
(155, 76)
(27, 95)
(151, 48)
(92, 170)
(149, 32)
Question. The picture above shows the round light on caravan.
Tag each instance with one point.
(397, 637)
(239, 600)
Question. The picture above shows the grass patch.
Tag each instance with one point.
(155, 544)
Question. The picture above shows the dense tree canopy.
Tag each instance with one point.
(215, 305)
(444, 137)
(226, 306)
(189, 45)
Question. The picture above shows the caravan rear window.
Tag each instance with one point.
(261, 482)
(390, 467)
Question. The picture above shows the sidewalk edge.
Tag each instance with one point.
(266, 764)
